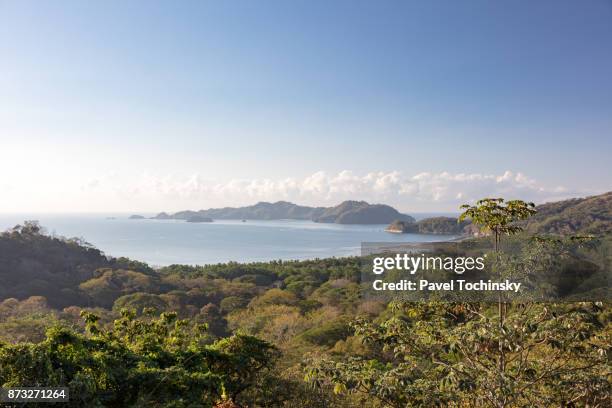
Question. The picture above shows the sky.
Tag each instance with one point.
(145, 106)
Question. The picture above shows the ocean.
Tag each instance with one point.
(165, 242)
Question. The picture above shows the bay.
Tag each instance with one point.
(165, 242)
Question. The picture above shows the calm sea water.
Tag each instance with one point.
(164, 242)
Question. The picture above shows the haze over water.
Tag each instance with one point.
(165, 242)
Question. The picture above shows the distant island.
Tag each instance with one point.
(348, 212)
(434, 225)
(199, 218)
(136, 217)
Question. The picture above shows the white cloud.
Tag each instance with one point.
(425, 191)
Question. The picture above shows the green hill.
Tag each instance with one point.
(360, 212)
(433, 225)
(590, 215)
(35, 264)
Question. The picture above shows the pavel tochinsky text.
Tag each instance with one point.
(412, 264)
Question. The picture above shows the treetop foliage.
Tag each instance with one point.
(151, 360)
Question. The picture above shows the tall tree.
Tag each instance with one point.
(498, 217)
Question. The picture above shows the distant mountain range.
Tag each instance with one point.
(348, 212)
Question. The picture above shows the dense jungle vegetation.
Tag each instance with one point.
(299, 334)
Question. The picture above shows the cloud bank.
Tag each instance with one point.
(425, 191)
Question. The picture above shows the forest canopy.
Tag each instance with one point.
(300, 333)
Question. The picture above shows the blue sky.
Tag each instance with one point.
(168, 105)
